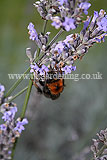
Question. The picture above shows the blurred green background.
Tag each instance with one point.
(61, 129)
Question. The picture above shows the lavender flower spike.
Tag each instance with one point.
(10, 130)
(64, 14)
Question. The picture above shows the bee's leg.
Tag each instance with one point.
(56, 67)
(51, 68)
(38, 88)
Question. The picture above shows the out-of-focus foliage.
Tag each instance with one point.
(61, 129)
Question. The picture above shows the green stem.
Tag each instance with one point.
(100, 151)
(16, 83)
(44, 27)
(26, 99)
(38, 53)
(13, 150)
(54, 39)
(18, 94)
(23, 112)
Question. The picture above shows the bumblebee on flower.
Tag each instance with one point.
(60, 57)
(51, 61)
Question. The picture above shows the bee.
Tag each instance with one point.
(50, 87)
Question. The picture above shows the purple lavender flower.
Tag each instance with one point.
(73, 48)
(32, 32)
(34, 67)
(44, 69)
(67, 69)
(100, 39)
(8, 131)
(40, 70)
(68, 24)
(56, 22)
(98, 144)
(2, 89)
(62, 1)
(73, 68)
(3, 127)
(59, 47)
(85, 6)
(59, 10)
(9, 152)
(9, 115)
(68, 40)
(102, 12)
(102, 24)
(20, 125)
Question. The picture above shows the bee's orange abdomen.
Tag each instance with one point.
(56, 87)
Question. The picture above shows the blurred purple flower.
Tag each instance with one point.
(62, 1)
(9, 115)
(20, 125)
(85, 6)
(3, 127)
(2, 89)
